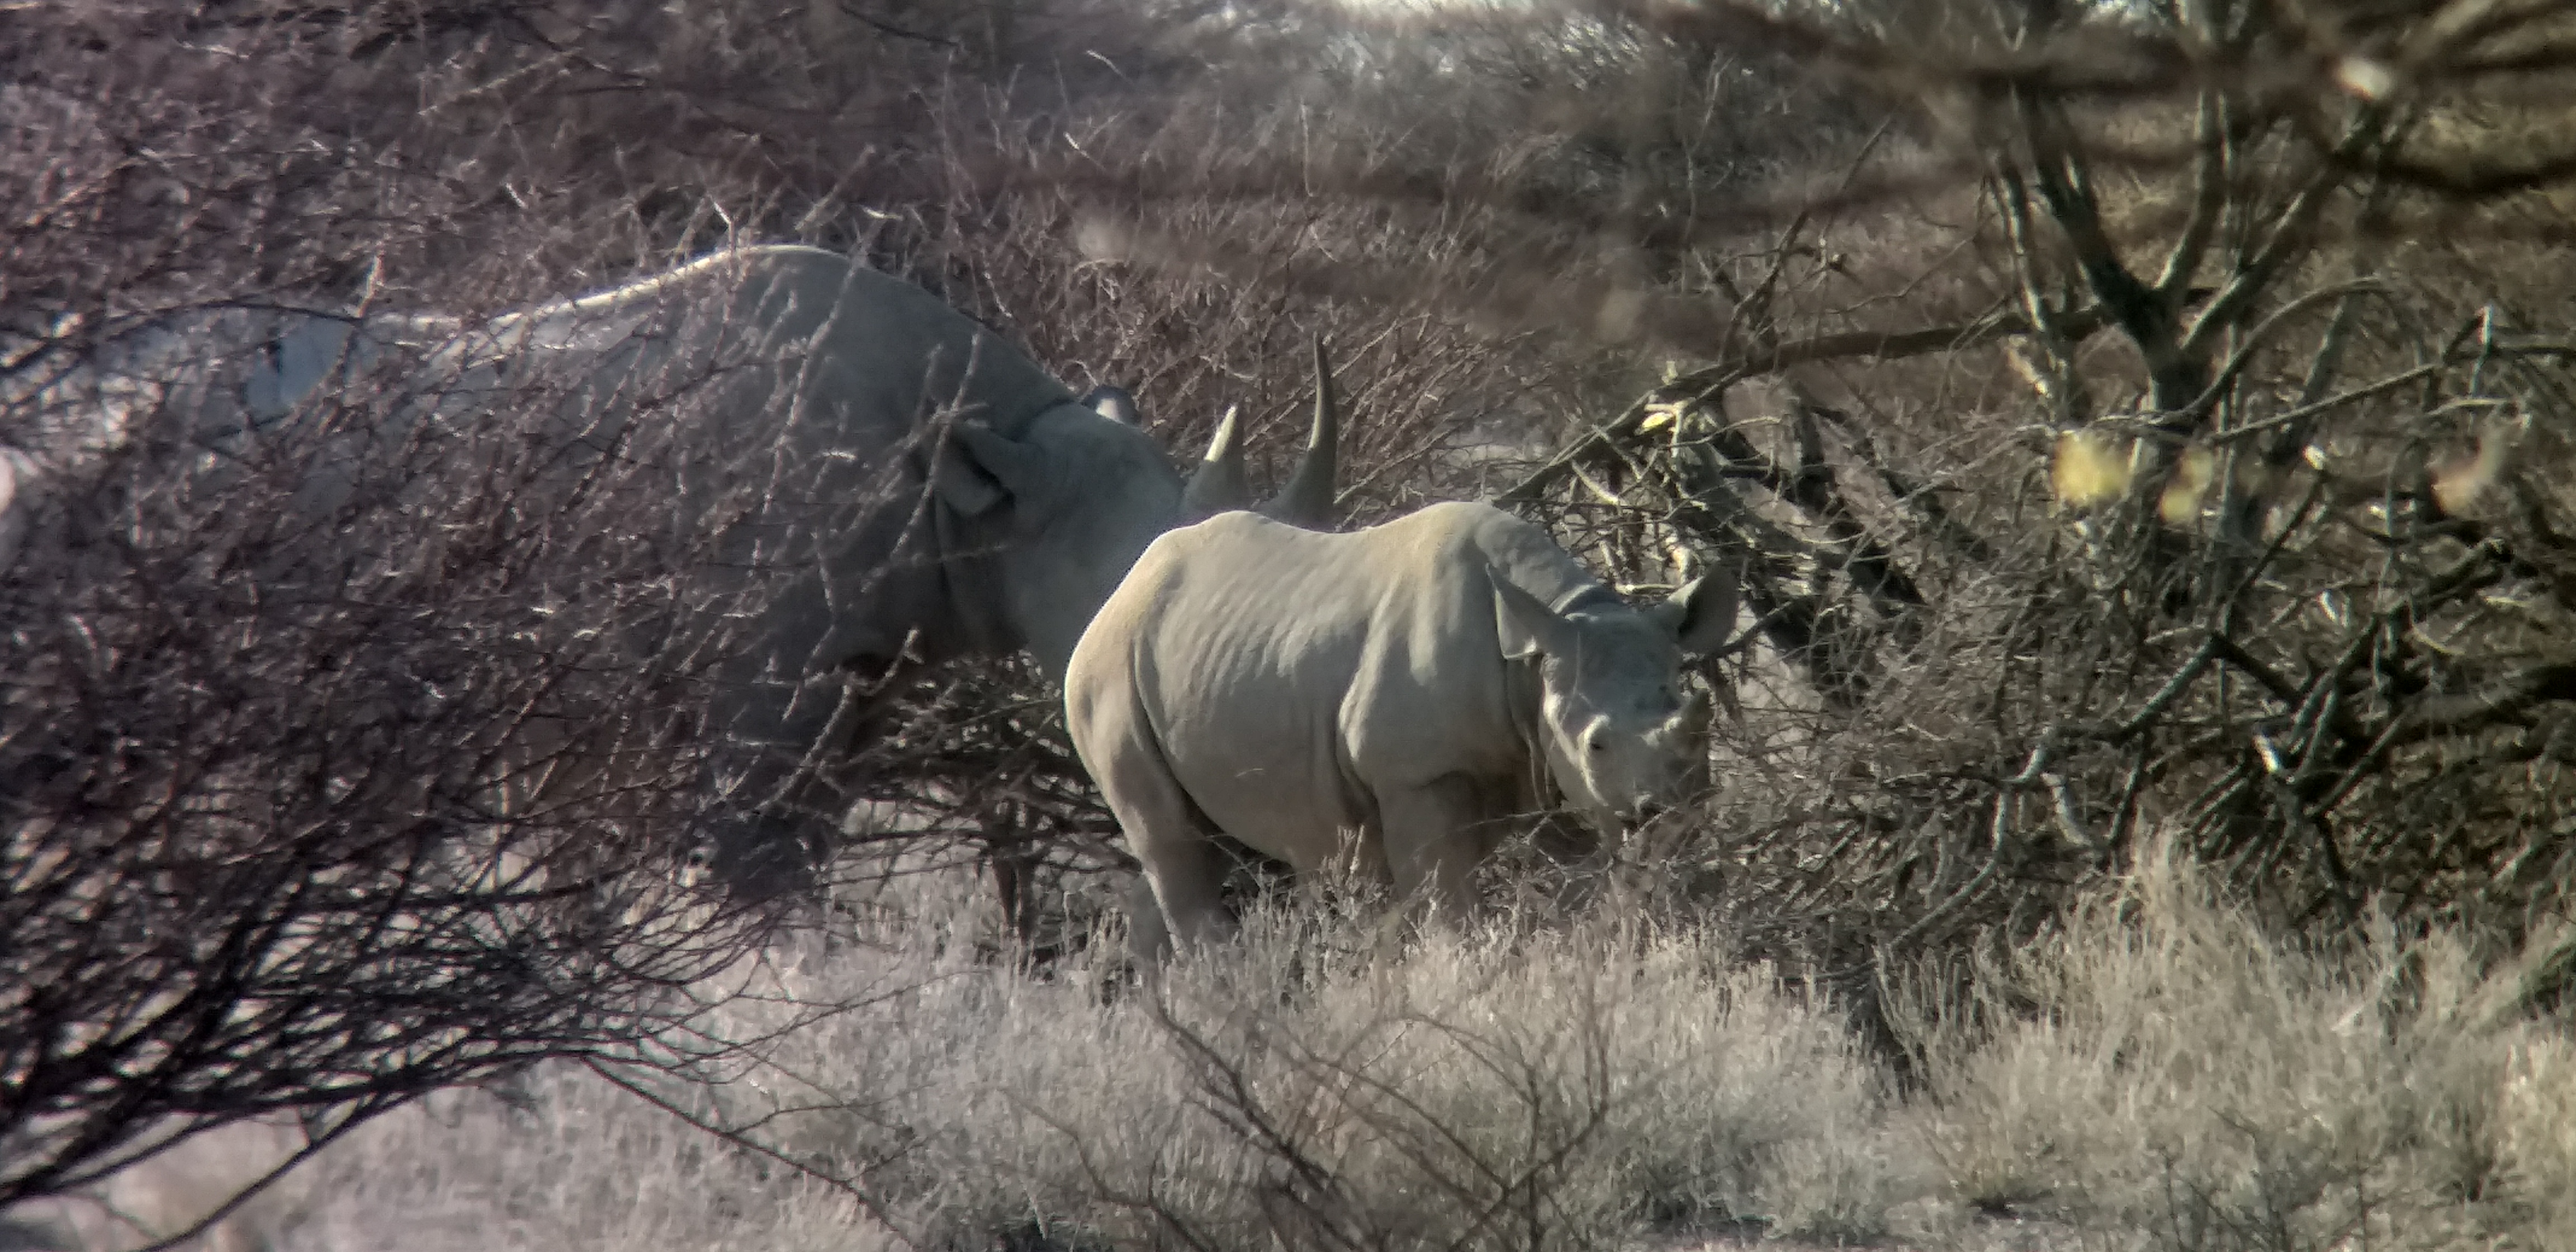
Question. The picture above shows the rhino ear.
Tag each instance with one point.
(1528, 627)
(979, 470)
(1701, 615)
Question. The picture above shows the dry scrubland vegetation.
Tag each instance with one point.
(2143, 435)
(2163, 1076)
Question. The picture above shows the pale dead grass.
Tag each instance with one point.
(2164, 1072)
(1633, 1074)
(169, 1193)
(2160, 1076)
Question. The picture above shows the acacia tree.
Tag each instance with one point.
(2274, 628)
(2125, 440)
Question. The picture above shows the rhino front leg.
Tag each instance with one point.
(1184, 880)
(774, 811)
(1149, 941)
(1434, 836)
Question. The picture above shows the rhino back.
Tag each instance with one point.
(861, 356)
(796, 379)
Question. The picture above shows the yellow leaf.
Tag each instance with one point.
(2456, 485)
(2088, 468)
(2366, 78)
(2192, 475)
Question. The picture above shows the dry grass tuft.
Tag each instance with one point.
(1518, 1087)
(2164, 1070)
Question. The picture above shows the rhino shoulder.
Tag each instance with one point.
(1470, 530)
(1467, 513)
(1226, 535)
(1522, 552)
(1187, 565)
(1494, 528)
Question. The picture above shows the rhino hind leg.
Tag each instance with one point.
(769, 830)
(774, 810)
(1182, 899)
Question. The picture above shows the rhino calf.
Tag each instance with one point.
(1386, 694)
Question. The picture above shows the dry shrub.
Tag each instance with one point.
(349, 759)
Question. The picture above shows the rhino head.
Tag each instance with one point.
(1618, 734)
(1090, 489)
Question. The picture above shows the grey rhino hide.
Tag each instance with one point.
(1355, 699)
(892, 470)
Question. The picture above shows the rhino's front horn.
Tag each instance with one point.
(1220, 483)
(1307, 500)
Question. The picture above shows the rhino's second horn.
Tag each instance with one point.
(1307, 500)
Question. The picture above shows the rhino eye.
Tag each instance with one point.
(1596, 742)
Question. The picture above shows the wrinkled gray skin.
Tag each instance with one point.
(821, 388)
(1383, 696)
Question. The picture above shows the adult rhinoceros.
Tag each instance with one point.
(891, 477)
(1385, 694)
